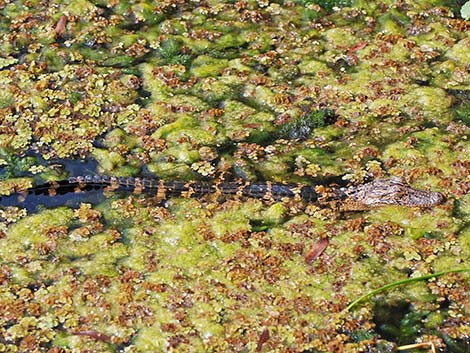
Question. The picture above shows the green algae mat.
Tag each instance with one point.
(284, 91)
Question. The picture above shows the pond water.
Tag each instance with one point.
(294, 91)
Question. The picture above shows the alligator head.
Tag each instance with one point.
(393, 191)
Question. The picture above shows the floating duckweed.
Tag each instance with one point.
(5, 62)
(433, 102)
(204, 168)
(107, 160)
(312, 67)
(274, 214)
(390, 24)
(206, 66)
(411, 255)
(233, 89)
(459, 51)
(213, 91)
(6, 99)
(415, 227)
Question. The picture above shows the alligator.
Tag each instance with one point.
(379, 192)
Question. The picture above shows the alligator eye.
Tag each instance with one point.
(439, 198)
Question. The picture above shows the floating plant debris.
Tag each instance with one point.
(286, 91)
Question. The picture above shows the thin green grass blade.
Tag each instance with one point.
(399, 283)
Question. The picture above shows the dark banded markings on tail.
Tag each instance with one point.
(161, 190)
(138, 186)
(268, 195)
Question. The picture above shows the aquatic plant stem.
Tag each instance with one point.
(401, 282)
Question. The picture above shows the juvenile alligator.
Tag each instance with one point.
(380, 192)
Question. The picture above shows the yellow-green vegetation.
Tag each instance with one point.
(285, 91)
